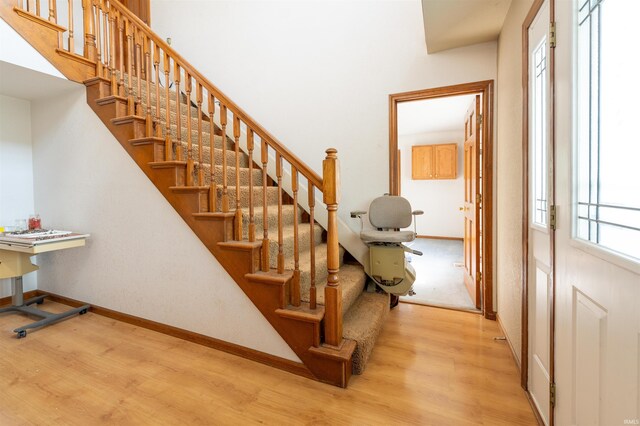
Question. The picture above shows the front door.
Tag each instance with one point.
(540, 228)
(597, 345)
(472, 201)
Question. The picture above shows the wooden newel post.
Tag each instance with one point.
(90, 49)
(332, 292)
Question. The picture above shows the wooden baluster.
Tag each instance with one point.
(238, 216)
(212, 177)
(131, 103)
(332, 292)
(280, 229)
(176, 78)
(295, 282)
(105, 39)
(265, 213)
(225, 193)
(147, 74)
(70, 41)
(112, 51)
(38, 7)
(138, 65)
(89, 30)
(252, 223)
(121, 86)
(53, 12)
(96, 6)
(312, 247)
(187, 82)
(156, 65)
(168, 143)
(200, 159)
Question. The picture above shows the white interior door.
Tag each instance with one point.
(540, 261)
(597, 350)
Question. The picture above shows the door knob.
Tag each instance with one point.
(461, 209)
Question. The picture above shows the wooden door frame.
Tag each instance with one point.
(486, 88)
(524, 357)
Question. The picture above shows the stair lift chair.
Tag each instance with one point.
(387, 265)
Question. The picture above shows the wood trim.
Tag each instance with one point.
(27, 295)
(506, 336)
(44, 36)
(484, 87)
(211, 342)
(38, 20)
(433, 237)
(75, 57)
(552, 124)
(237, 111)
(536, 413)
(524, 331)
(448, 308)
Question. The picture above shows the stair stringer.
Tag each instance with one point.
(300, 328)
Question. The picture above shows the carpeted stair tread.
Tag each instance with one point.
(304, 240)
(362, 323)
(352, 281)
(206, 136)
(231, 175)
(272, 220)
(272, 196)
(217, 155)
(194, 136)
(321, 268)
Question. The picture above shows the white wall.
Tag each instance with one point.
(15, 50)
(16, 172)
(141, 259)
(318, 74)
(508, 176)
(440, 199)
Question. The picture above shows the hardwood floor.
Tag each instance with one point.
(430, 366)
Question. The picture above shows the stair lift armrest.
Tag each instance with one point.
(358, 214)
(412, 251)
(415, 214)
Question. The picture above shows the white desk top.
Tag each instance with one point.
(43, 248)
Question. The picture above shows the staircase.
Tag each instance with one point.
(248, 199)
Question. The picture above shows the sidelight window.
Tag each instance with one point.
(607, 156)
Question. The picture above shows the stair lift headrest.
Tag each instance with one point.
(390, 212)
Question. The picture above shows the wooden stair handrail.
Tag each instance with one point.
(237, 111)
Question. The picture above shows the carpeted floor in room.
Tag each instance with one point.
(439, 274)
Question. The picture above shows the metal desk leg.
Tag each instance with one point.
(22, 306)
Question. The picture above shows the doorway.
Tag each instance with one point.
(469, 238)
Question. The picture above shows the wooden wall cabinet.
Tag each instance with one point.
(434, 161)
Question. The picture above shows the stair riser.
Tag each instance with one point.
(218, 153)
(304, 239)
(272, 197)
(206, 125)
(272, 220)
(194, 137)
(231, 175)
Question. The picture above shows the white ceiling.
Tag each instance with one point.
(456, 23)
(433, 115)
(24, 83)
